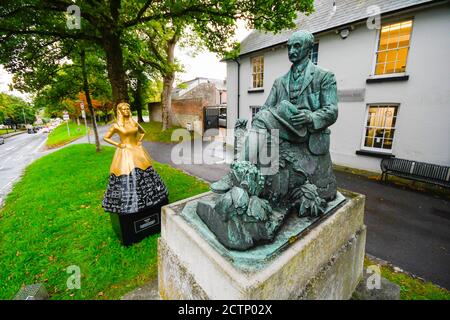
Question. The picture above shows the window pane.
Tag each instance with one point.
(315, 53)
(391, 56)
(378, 139)
(380, 126)
(387, 144)
(371, 117)
(389, 133)
(379, 68)
(401, 58)
(394, 119)
(390, 67)
(368, 142)
(389, 117)
(394, 38)
(381, 57)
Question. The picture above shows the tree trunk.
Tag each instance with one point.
(116, 71)
(88, 99)
(138, 99)
(168, 78)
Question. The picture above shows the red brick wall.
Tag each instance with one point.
(187, 110)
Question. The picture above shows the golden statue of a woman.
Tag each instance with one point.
(135, 191)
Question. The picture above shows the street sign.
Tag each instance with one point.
(66, 118)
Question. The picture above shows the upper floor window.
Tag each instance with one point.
(380, 127)
(258, 72)
(393, 47)
(315, 53)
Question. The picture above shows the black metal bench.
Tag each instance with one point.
(414, 170)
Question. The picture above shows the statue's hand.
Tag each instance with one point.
(302, 118)
(122, 145)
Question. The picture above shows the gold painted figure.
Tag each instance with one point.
(129, 154)
(135, 191)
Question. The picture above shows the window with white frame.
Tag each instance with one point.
(255, 110)
(393, 47)
(315, 53)
(380, 127)
(258, 72)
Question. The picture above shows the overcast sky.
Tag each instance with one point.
(205, 64)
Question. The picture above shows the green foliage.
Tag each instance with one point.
(16, 110)
(59, 136)
(34, 32)
(53, 219)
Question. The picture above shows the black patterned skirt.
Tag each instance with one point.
(137, 191)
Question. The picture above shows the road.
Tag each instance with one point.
(17, 152)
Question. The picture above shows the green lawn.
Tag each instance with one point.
(53, 219)
(59, 136)
(411, 288)
(154, 132)
(4, 131)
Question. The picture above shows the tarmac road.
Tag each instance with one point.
(17, 152)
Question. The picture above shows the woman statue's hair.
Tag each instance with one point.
(120, 118)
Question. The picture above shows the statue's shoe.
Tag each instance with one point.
(223, 185)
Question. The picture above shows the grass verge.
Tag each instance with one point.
(4, 131)
(153, 132)
(411, 288)
(53, 219)
(59, 136)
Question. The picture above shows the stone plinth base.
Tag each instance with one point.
(323, 262)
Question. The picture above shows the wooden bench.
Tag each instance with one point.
(414, 170)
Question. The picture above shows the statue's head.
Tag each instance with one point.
(123, 113)
(300, 45)
(123, 109)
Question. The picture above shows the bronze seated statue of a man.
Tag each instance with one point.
(252, 205)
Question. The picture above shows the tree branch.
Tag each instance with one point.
(138, 17)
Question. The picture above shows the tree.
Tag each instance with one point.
(15, 110)
(105, 22)
(82, 72)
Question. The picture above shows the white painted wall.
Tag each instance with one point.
(423, 123)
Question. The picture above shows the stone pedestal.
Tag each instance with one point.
(324, 261)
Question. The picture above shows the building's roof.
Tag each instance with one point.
(325, 18)
(177, 92)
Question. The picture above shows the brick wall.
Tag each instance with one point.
(188, 110)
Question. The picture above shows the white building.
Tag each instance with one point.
(393, 81)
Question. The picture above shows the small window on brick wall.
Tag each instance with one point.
(380, 127)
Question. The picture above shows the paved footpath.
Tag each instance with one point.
(407, 228)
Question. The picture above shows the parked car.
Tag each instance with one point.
(223, 117)
(2, 140)
(45, 130)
